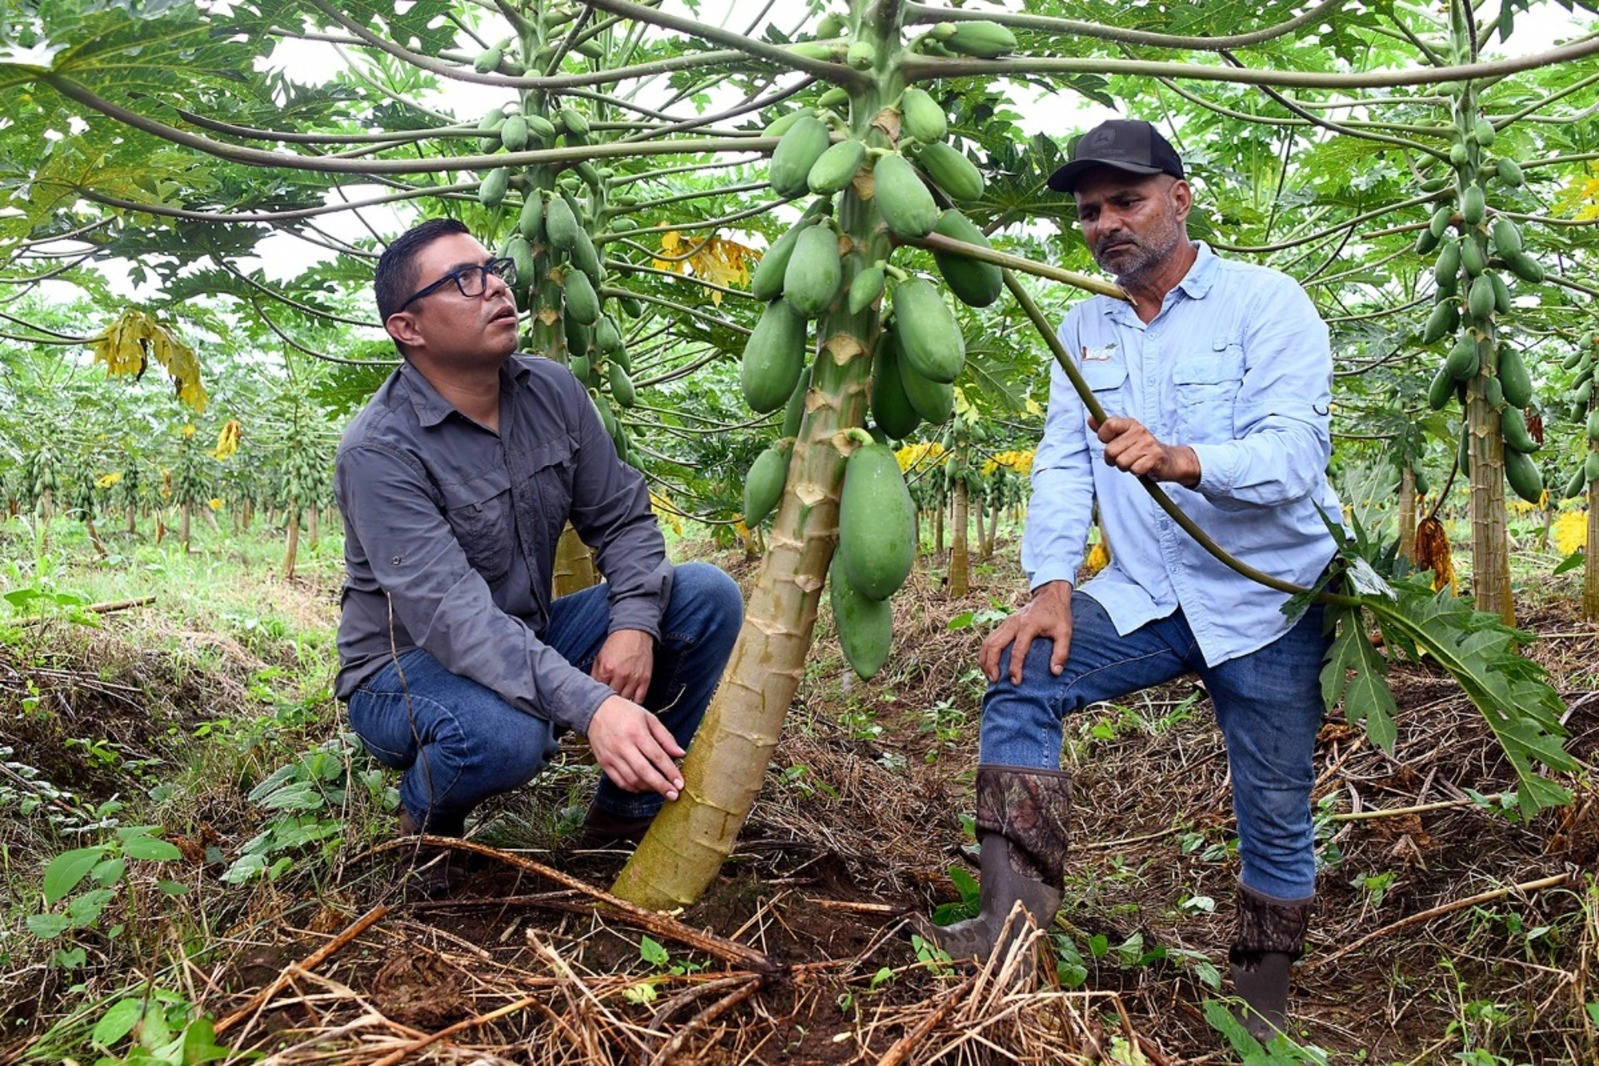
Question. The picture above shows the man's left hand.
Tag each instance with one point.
(625, 662)
(1130, 446)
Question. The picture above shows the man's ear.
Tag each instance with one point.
(1182, 195)
(401, 327)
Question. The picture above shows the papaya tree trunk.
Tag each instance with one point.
(1407, 514)
(1590, 566)
(938, 529)
(183, 526)
(960, 558)
(133, 519)
(94, 536)
(992, 536)
(1490, 537)
(292, 551)
(574, 564)
(314, 525)
(680, 855)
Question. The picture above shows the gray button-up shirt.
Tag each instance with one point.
(450, 532)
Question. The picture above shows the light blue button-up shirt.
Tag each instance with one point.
(1236, 365)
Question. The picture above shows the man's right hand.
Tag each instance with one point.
(1048, 615)
(634, 749)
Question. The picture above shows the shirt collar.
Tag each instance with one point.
(432, 409)
(1196, 284)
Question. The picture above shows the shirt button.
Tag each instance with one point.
(396, 561)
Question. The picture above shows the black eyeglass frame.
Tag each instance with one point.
(502, 268)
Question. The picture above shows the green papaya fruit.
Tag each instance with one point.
(876, 523)
(1442, 387)
(607, 335)
(1425, 241)
(491, 190)
(514, 133)
(1577, 484)
(488, 59)
(861, 55)
(586, 257)
(951, 171)
(582, 302)
(1509, 171)
(783, 123)
(763, 485)
(1486, 134)
(835, 168)
(1459, 155)
(865, 626)
(980, 38)
(1513, 375)
(540, 128)
(1438, 225)
(773, 358)
(1513, 427)
(1590, 467)
(1472, 255)
(1445, 318)
(794, 413)
(1447, 267)
(866, 287)
(921, 117)
(530, 223)
(796, 153)
(767, 281)
(930, 339)
(974, 282)
(1593, 425)
(934, 401)
(579, 366)
(1480, 297)
(1524, 266)
(1507, 236)
(579, 338)
(815, 272)
(891, 407)
(1494, 393)
(622, 390)
(1524, 477)
(572, 121)
(1463, 361)
(1502, 298)
(903, 199)
(561, 224)
(1473, 205)
(520, 252)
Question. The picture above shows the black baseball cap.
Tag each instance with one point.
(1127, 144)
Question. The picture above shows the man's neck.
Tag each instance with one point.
(474, 391)
(1149, 293)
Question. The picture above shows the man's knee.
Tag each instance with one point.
(709, 595)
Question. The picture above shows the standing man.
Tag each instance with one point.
(456, 481)
(1215, 381)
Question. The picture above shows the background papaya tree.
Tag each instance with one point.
(1315, 135)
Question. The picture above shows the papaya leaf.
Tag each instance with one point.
(1357, 674)
(1480, 652)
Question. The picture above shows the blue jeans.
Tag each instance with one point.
(1268, 704)
(459, 743)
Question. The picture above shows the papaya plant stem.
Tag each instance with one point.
(465, 73)
(625, 267)
(932, 68)
(709, 223)
(271, 217)
(833, 73)
(937, 242)
(920, 14)
(682, 309)
(1296, 123)
(1164, 502)
(257, 157)
(1293, 108)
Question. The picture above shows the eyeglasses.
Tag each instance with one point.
(471, 280)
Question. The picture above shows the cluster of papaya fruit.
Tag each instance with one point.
(1584, 411)
(916, 356)
(557, 262)
(1470, 291)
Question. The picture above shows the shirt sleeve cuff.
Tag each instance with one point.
(575, 700)
(1053, 572)
(1217, 472)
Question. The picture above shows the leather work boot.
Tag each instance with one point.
(1271, 935)
(602, 829)
(434, 871)
(1022, 834)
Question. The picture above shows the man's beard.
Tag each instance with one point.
(1142, 258)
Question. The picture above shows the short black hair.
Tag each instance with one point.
(395, 277)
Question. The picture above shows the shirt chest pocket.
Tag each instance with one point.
(479, 512)
(1107, 381)
(1207, 383)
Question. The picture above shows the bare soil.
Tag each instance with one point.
(1423, 948)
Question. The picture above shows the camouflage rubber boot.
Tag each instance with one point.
(1271, 935)
(1021, 829)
